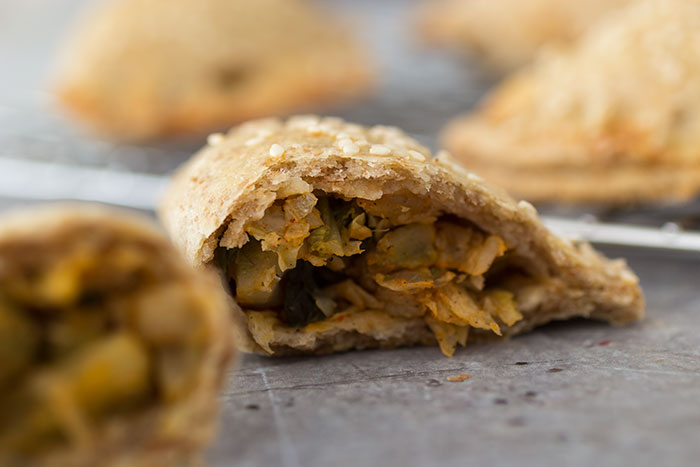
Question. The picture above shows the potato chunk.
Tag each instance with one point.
(19, 339)
(257, 275)
(408, 247)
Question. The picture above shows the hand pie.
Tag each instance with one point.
(508, 33)
(335, 236)
(614, 120)
(151, 68)
(112, 347)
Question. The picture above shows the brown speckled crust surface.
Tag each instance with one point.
(173, 435)
(613, 119)
(507, 34)
(140, 69)
(235, 178)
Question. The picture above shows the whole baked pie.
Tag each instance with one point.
(614, 119)
(507, 34)
(138, 69)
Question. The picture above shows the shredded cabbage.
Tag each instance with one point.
(448, 335)
(433, 268)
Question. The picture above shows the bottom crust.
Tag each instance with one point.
(540, 304)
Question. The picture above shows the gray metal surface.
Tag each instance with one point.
(578, 393)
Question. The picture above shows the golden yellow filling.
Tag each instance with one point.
(90, 331)
(312, 257)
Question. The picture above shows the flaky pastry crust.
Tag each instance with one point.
(234, 179)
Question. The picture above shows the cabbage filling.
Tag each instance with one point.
(89, 332)
(313, 256)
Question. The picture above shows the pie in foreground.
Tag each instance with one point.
(113, 348)
(615, 119)
(140, 69)
(336, 236)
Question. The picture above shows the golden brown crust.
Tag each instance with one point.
(614, 119)
(234, 180)
(172, 435)
(507, 34)
(142, 69)
(625, 185)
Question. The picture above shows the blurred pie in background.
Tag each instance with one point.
(140, 69)
(507, 33)
(615, 119)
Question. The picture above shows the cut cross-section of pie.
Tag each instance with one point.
(139, 69)
(614, 119)
(508, 33)
(113, 348)
(336, 236)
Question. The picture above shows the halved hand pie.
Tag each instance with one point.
(112, 347)
(336, 236)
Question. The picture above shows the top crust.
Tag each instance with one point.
(138, 69)
(621, 108)
(508, 33)
(44, 222)
(234, 179)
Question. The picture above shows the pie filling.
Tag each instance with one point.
(89, 332)
(316, 259)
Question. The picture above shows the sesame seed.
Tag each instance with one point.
(443, 155)
(327, 129)
(350, 149)
(379, 150)
(446, 160)
(253, 141)
(214, 139)
(301, 122)
(344, 142)
(524, 205)
(314, 129)
(276, 150)
(416, 155)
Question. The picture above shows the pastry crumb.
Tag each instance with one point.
(214, 139)
(416, 155)
(459, 378)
